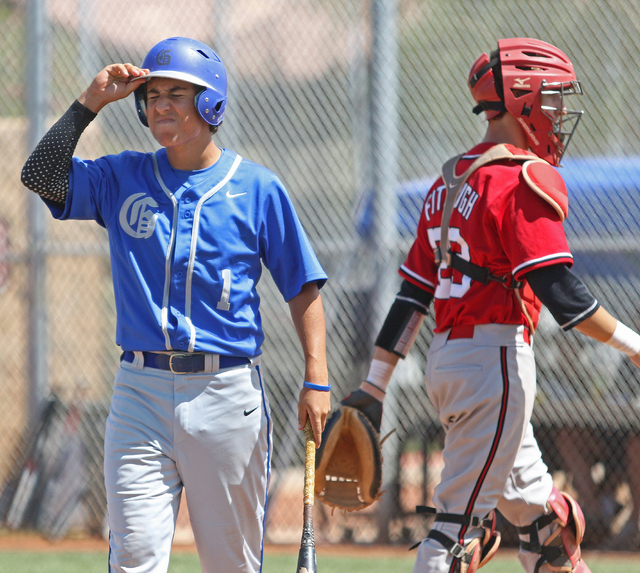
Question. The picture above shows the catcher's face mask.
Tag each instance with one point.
(564, 121)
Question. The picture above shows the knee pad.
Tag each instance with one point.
(475, 554)
(561, 549)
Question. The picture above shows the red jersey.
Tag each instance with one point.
(497, 222)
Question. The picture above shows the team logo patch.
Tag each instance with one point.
(136, 217)
(163, 57)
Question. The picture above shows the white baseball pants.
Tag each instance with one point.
(483, 389)
(208, 433)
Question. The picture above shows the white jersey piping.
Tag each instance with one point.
(169, 257)
(577, 319)
(192, 251)
(417, 276)
(541, 260)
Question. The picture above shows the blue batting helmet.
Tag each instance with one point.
(190, 61)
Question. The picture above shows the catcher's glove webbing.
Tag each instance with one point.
(349, 461)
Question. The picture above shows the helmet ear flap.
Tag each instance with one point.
(210, 105)
(140, 95)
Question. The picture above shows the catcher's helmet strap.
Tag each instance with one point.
(473, 80)
(488, 106)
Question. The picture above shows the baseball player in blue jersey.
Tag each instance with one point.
(190, 227)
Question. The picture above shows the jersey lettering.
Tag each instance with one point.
(433, 202)
(451, 284)
(465, 201)
(136, 219)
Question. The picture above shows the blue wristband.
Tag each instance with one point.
(320, 387)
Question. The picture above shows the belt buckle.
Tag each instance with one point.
(171, 357)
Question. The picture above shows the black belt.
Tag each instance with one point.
(188, 363)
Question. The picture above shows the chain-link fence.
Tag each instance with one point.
(355, 104)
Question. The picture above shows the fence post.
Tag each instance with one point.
(37, 107)
(385, 153)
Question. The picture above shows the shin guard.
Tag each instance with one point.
(560, 551)
(479, 551)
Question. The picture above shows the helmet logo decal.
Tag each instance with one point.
(519, 83)
(163, 57)
(136, 219)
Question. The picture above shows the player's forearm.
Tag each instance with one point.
(396, 337)
(46, 171)
(307, 313)
(308, 317)
(605, 328)
(91, 102)
(599, 326)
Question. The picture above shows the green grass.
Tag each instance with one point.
(95, 562)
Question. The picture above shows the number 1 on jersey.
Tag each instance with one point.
(223, 304)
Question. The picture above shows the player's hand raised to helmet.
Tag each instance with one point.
(114, 82)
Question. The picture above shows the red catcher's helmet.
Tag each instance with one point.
(515, 78)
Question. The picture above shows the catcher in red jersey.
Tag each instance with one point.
(490, 250)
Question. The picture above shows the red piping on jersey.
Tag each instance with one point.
(492, 452)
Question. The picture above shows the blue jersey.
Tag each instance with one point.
(187, 247)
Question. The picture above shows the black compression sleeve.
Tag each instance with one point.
(563, 293)
(405, 316)
(46, 172)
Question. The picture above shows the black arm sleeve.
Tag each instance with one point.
(411, 302)
(46, 172)
(563, 293)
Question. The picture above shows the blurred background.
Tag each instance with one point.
(355, 104)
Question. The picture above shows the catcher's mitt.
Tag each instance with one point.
(349, 461)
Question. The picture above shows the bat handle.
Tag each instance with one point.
(307, 562)
(309, 465)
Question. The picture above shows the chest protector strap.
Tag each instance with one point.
(454, 184)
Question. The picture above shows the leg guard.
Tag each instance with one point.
(561, 549)
(475, 554)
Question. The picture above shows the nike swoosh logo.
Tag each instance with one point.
(246, 413)
(236, 194)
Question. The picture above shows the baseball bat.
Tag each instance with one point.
(307, 562)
